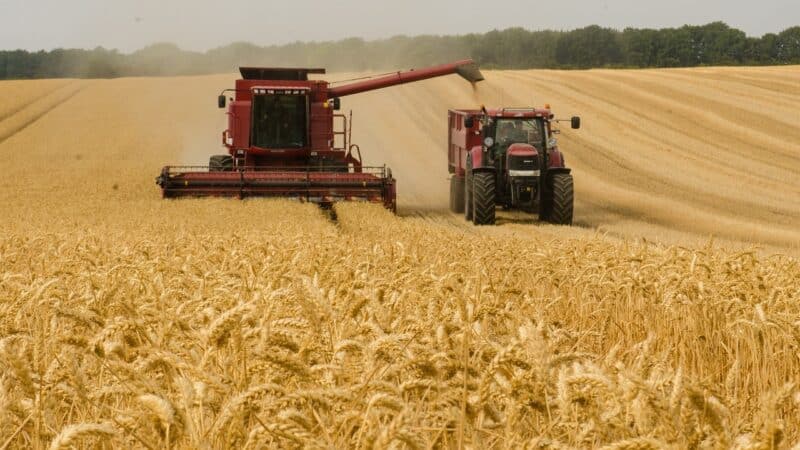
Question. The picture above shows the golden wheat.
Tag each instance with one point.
(129, 321)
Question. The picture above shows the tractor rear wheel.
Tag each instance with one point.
(468, 206)
(483, 192)
(559, 207)
(457, 194)
(220, 163)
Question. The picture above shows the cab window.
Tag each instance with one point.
(512, 131)
(280, 121)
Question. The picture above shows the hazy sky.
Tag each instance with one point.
(202, 24)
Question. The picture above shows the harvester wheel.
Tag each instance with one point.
(220, 163)
(468, 206)
(457, 194)
(484, 198)
(559, 209)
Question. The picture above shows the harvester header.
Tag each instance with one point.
(285, 139)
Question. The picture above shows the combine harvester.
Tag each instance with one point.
(508, 157)
(284, 140)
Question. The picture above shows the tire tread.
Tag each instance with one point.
(457, 194)
(560, 207)
(483, 192)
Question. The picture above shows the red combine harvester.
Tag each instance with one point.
(285, 140)
(508, 157)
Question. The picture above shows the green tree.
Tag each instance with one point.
(513, 48)
(788, 46)
(592, 46)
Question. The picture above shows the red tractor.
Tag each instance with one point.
(508, 157)
(284, 139)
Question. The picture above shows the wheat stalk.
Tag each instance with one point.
(69, 435)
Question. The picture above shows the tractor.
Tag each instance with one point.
(284, 139)
(508, 157)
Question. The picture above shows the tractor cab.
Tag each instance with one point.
(507, 131)
(513, 147)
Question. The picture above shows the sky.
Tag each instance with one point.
(128, 25)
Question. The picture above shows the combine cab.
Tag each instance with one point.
(508, 157)
(284, 139)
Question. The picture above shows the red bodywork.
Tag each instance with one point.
(524, 151)
(327, 169)
(521, 161)
(463, 141)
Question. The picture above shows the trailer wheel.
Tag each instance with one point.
(220, 163)
(559, 207)
(484, 198)
(457, 194)
(468, 211)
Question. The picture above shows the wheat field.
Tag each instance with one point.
(667, 318)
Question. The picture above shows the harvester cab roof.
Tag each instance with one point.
(277, 73)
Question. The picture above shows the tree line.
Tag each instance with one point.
(514, 48)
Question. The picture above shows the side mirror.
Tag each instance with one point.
(333, 103)
(469, 122)
(575, 122)
(221, 101)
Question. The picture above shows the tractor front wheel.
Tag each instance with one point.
(457, 194)
(558, 210)
(220, 163)
(483, 192)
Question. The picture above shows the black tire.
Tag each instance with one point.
(220, 163)
(484, 198)
(456, 194)
(468, 206)
(561, 198)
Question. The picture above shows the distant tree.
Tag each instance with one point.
(592, 46)
(788, 46)
(514, 48)
(640, 47)
(102, 64)
(765, 49)
(717, 43)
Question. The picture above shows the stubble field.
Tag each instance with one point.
(668, 317)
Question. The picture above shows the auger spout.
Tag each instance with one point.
(466, 68)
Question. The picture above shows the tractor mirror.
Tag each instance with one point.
(221, 101)
(469, 121)
(575, 122)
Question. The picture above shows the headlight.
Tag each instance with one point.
(552, 143)
(489, 141)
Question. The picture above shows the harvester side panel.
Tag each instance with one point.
(321, 127)
(239, 124)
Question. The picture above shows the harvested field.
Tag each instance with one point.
(130, 321)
